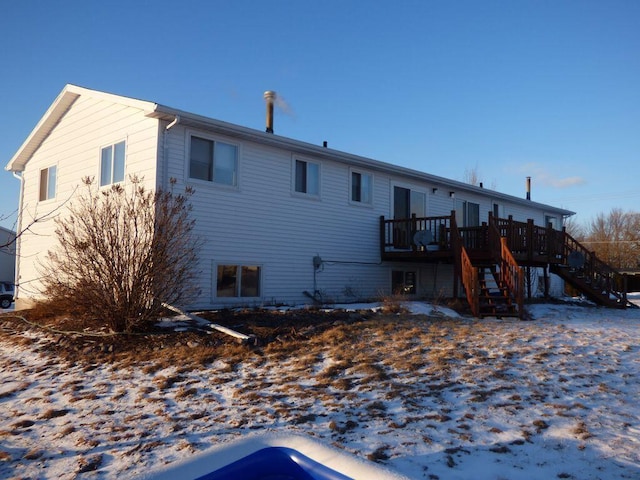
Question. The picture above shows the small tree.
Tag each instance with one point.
(122, 253)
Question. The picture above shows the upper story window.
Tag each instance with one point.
(48, 183)
(551, 221)
(361, 187)
(112, 164)
(213, 161)
(307, 177)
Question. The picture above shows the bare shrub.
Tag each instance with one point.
(122, 253)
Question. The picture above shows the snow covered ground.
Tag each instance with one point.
(432, 397)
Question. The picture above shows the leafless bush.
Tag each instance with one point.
(122, 253)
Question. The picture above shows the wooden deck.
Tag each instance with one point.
(500, 248)
(530, 244)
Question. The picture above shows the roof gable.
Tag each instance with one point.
(57, 110)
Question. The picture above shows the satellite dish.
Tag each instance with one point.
(422, 238)
(575, 260)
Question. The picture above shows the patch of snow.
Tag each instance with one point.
(555, 397)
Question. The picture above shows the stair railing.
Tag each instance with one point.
(512, 275)
(468, 273)
(598, 274)
(470, 282)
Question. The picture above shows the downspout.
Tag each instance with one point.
(19, 176)
(165, 154)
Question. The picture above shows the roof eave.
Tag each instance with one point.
(163, 112)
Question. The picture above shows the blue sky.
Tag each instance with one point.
(547, 89)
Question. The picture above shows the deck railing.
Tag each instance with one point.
(511, 275)
(530, 241)
(475, 238)
(469, 275)
(399, 234)
(526, 240)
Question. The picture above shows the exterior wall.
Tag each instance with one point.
(263, 222)
(74, 147)
(7, 256)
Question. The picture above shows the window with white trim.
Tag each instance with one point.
(48, 183)
(213, 161)
(112, 164)
(238, 281)
(361, 187)
(307, 177)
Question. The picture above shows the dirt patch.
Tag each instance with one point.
(84, 341)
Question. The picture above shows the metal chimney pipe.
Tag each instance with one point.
(528, 188)
(270, 97)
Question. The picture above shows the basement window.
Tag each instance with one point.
(48, 183)
(403, 282)
(112, 164)
(238, 281)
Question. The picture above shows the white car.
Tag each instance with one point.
(6, 294)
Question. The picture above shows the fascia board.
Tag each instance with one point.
(224, 128)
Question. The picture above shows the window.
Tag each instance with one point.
(238, 281)
(403, 282)
(361, 187)
(467, 214)
(307, 177)
(112, 164)
(48, 183)
(408, 202)
(498, 210)
(213, 161)
(551, 221)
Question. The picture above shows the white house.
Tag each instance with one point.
(282, 220)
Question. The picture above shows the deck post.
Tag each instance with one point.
(510, 236)
(454, 245)
(530, 230)
(550, 240)
(383, 237)
(412, 231)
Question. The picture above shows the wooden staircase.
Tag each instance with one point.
(495, 297)
(596, 280)
(493, 288)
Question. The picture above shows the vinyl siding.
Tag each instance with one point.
(263, 222)
(74, 147)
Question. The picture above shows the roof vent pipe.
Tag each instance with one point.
(270, 98)
(528, 188)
